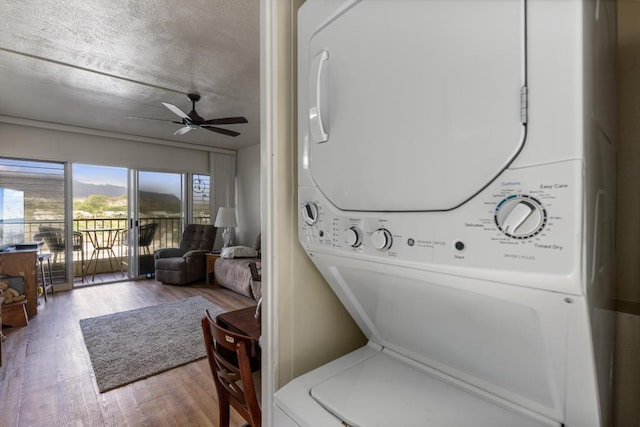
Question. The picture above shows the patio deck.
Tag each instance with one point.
(108, 265)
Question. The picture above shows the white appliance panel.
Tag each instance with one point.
(467, 241)
(281, 419)
(360, 396)
(509, 341)
(437, 115)
(295, 399)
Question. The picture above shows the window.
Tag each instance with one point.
(201, 195)
(33, 207)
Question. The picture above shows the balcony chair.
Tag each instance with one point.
(186, 264)
(145, 238)
(229, 360)
(54, 238)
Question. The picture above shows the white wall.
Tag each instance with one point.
(312, 327)
(628, 217)
(63, 145)
(248, 195)
(628, 210)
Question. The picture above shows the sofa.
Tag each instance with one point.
(232, 270)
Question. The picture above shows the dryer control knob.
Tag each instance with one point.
(381, 239)
(520, 216)
(353, 236)
(310, 213)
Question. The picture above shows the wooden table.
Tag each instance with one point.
(211, 260)
(244, 322)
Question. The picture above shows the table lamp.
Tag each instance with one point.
(226, 218)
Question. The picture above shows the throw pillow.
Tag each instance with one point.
(238, 252)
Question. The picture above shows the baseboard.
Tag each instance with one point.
(62, 287)
(630, 307)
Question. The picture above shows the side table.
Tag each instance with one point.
(211, 260)
(23, 263)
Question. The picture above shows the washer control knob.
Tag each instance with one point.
(353, 236)
(310, 213)
(381, 239)
(520, 217)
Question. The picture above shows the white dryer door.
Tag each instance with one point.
(414, 105)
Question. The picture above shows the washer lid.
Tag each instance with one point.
(385, 391)
(414, 105)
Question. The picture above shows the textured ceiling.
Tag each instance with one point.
(94, 63)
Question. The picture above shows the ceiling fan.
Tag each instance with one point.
(193, 120)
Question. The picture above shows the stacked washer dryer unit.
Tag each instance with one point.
(456, 191)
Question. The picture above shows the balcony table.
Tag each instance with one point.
(102, 240)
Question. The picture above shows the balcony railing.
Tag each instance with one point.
(167, 235)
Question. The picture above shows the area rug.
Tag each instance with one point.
(132, 345)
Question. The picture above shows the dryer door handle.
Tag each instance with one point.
(318, 97)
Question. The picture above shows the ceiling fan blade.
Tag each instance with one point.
(176, 111)
(151, 118)
(183, 130)
(220, 130)
(225, 121)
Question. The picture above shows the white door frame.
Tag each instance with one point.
(268, 201)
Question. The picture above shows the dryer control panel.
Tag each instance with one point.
(520, 223)
(520, 216)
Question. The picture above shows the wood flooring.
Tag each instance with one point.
(46, 378)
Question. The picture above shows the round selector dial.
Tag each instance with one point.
(353, 236)
(520, 216)
(310, 213)
(381, 239)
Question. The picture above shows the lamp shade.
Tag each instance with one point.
(226, 218)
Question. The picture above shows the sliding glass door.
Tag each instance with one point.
(123, 216)
(123, 232)
(107, 226)
(32, 209)
(100, 222)
(158, 219)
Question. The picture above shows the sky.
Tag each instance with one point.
(159, 182)
(100, 175)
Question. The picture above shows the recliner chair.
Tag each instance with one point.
(180, 266)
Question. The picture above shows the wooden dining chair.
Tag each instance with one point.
(256, 276)
(229, 359)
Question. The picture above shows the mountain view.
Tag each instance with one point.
(82, 190)
(108, 200)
